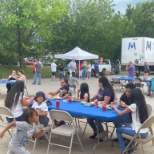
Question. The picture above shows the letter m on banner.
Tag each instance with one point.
(131, 46)
(148, 45)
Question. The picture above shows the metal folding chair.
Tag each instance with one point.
(63, 130)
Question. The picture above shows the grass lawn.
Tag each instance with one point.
(5, 71)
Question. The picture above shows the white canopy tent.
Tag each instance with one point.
(77, 54)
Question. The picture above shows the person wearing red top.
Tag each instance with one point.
(80, 69)
(33, 67)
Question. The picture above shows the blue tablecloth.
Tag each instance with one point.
(78, 109)
(124, 78)
(7, 81)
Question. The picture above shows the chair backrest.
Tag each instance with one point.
(137, 82)
(152, 84)
(61, 115)
(116, 81)
(148, 123)
(149, 108)
(5, 111)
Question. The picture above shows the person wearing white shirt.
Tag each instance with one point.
(41, 108)
(53, 70)
(139, 114)
(72, 66)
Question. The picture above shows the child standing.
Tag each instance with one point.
(25, 129)
(41, 108)
(73, 81)
(83, 93)
(64, 92)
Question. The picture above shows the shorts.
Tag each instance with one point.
(53, 73)
(146, 71)
(17, 150)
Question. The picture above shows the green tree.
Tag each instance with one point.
(26, 26)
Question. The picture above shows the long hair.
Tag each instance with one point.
(28, 113)
(84, 88)
(138, 98)
(14, 94)
(106, 84)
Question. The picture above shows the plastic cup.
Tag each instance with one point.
(57, 103)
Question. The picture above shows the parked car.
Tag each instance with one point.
(106, 66)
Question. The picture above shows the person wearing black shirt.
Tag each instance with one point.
(125, 100)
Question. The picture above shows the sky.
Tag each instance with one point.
(121, 5)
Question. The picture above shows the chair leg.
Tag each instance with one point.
(34, 145)
(79, 141)
(70, 148)
(84, 129)
(142, 148)
(49, 143)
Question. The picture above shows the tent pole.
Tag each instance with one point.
(79, 69)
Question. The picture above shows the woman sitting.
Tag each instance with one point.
(106, 94)
(13, 76)
(139, 114)
(15, 101)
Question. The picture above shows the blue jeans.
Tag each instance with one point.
(61, 75)
(44, 120)
(9, 120)
(123, 119)
(37, 75)
(93, 125)
(129, 131)
(84, 74)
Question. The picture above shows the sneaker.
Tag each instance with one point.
(93, 136)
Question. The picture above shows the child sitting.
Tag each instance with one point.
(41, 107)
(73, 81)
(24, 130)
(64, 92)
(83, 93)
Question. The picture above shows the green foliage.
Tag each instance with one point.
(5, 71)
(34, 28)
(27, 24)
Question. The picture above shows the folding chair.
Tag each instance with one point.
(116, 83)
(46, 129)
(137, 138)
(77, 122)
(139, 84)
(149, 108)
(4, 111)
(63, 130)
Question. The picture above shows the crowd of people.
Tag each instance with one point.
(29, 111)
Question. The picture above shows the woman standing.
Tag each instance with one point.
(13, 76)
(146, 70)
(139, 114)
(15, 101)
(89, 71)
(106, 94)
(84, 70)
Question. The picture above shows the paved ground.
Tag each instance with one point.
(48, 85)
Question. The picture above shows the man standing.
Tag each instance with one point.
(53, 70)
(72, 66)
(37, 74)
(131, 69)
